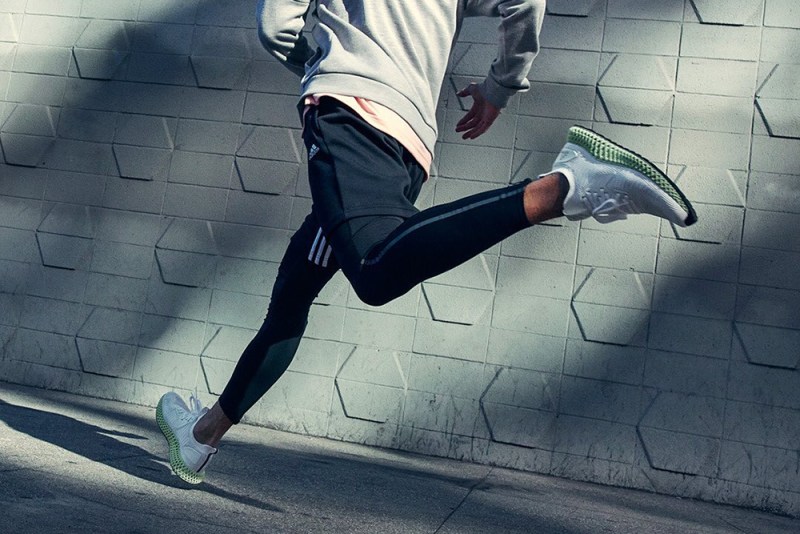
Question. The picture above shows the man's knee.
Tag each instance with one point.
(373, 291)
(373, 296)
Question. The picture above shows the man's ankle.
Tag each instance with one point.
(544, 198)
(211, 426)
(200, 431)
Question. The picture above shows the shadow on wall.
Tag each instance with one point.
(682, 381)
(169, 170)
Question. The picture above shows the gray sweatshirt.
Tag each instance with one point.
(395, 52)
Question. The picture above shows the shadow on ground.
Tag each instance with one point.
(67, 472)
(109, 447)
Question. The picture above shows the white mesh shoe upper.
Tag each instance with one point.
(610, 192)
(182, 420)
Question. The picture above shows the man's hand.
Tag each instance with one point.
(480, 117)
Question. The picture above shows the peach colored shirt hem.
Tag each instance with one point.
(385, 120)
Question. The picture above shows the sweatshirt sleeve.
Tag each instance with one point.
(280, 29)
(520, 24)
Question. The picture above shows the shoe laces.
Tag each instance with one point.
(195, 411)
(606, 207)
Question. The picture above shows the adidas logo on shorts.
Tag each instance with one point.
(312, 151)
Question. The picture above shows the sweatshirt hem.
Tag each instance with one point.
(358, 86)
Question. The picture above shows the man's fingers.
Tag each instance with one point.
(479, 126)
(477, 130)
(468, 119)
(480, 116)
(468, 125)
(479, 113)
(471, 114)
(467, 91)
(475, 126)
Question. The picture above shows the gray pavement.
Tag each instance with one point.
(76, 464)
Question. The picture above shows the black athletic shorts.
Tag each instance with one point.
(360, 177)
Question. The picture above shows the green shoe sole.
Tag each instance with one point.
(606, 150)
(175, 460)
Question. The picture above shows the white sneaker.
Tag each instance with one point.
(187, 456)
(609, 182)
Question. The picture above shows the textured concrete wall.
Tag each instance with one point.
(153, 172)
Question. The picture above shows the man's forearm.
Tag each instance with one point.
(520, 24)
(280, 28)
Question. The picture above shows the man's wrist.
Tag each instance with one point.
(495, 94)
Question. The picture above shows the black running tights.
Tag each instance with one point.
(422, 246)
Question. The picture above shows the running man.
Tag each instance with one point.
(368, 106)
